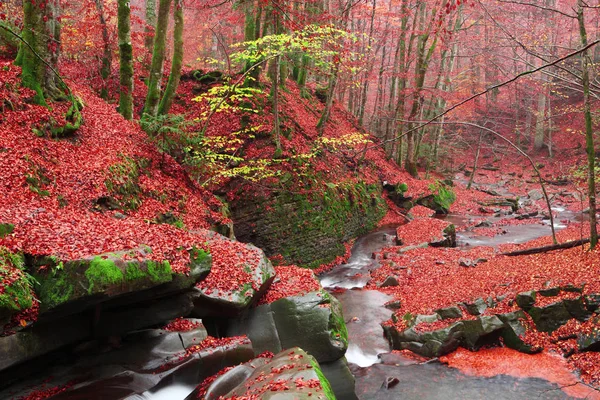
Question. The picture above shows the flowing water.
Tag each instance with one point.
(369, 353)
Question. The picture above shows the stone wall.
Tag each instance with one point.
(308, 229)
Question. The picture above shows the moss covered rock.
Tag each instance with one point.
(313, 321)
(308, 229)
(291, 374)
(84, 282)
(215, 299)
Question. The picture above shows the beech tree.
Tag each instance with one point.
(176, 63)
(126, 60)
(38, 55)
(158, 59)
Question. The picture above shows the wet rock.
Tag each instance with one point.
(514, 331)
(340, 378)
(484, 224)
(577, 309)
(390, 281)
(41, 339)
(467, 263)
(592, 302)
(313, 322)
(480, 331)
(71, 286)
(233, 378)
(478, 307)
(390, 382)
(449, 312)
(214, 302)
(448, 238)
(526, 215)
(535, 194)
(551, 317)
(526, 300)
(590, 341)
(572, 289)
(295, 369)
(395, 305)
(549, 292)
(143, 361)
(121, 320)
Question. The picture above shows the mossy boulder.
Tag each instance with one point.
(308, 229)
(470, 333)
(313, 321)
(291, 374)
(219, 302)
(78, 284)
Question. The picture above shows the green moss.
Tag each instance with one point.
(101, 273)
(327, 390)
(17, 296)
(134, 272)
(198, 256)
(55, 292)
(6, 229)
(122, 181)
(325, 213)
(159, 271)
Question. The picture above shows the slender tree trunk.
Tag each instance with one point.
(105, 66)
(472, 178)
(589, 132)
(176, 64)
(150, 25)
(126, 60)
(42, 32)
(158, 59)
(538, 140)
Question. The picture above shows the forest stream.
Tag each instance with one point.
(375, 367)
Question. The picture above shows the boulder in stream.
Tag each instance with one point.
(291, 374)
(143, 361)
(313, 321)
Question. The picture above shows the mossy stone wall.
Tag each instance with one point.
(308, 229)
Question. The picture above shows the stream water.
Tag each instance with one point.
(369, 353)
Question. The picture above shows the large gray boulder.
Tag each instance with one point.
(313, 322)
(143, 361)
(290, 375)
(217, 301)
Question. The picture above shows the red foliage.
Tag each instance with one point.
(45, 393)
(292, 281)
(181, 325)
(421, 230)
(503, 361)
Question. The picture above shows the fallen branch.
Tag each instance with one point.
(544, 249)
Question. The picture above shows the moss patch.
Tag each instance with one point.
(15, 284)
(101, 273)
(327, 390)
(122, 181)
(309, 229)
(6, 229)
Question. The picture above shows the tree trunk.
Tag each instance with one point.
(126, 60)
(150, 25)
(105, 67)
(538, 140)
(175, 75)
(589, 132)
(42, 32)
(158, 59)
